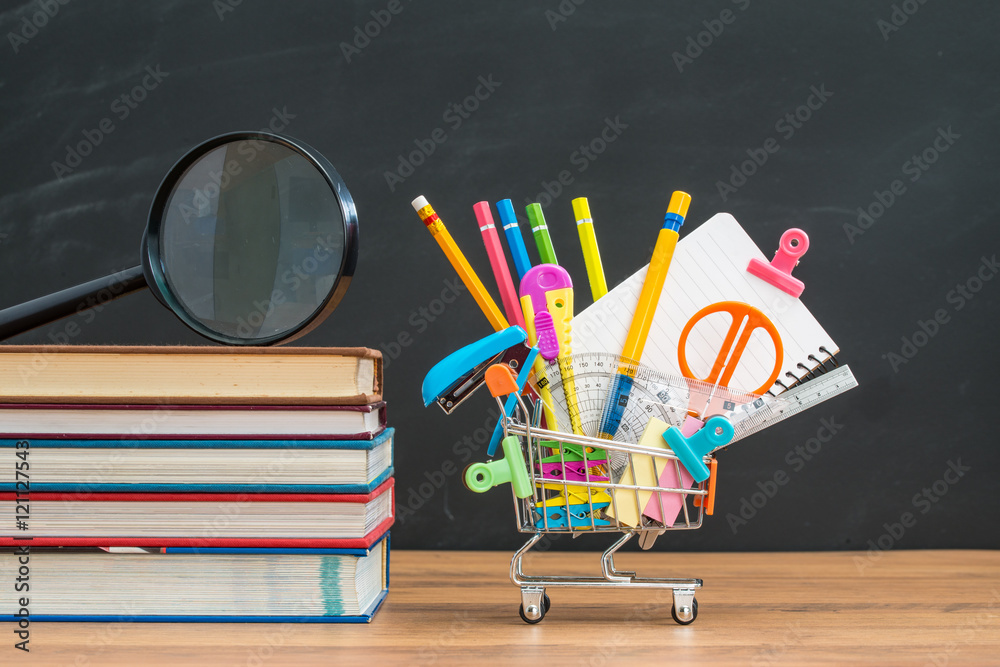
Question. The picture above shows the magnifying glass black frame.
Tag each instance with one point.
(151, 273)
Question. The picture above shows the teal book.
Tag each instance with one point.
(201, 466)
(199, 585)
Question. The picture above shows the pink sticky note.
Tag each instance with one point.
(672, 502)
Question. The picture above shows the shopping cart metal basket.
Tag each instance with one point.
(573, 484)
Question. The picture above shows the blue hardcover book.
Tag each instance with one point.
(199, 585)
(201, 466)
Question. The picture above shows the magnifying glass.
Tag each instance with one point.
(252, 239)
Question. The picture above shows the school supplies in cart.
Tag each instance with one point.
(594, 441)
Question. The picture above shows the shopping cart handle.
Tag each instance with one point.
(717, 432)
(481, 477)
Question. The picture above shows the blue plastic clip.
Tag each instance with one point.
(717, 432)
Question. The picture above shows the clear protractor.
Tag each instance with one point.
(592, 375)
(653, 394)
(668, 404)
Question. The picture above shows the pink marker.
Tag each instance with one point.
(499, 263)
(793, 245)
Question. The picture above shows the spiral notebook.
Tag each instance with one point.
(709, 265)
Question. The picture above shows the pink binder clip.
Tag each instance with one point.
(792, 246)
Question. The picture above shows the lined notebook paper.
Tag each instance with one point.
(709, 266)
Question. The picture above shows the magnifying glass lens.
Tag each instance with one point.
(251, 240)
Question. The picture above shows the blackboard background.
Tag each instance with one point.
(559, 80)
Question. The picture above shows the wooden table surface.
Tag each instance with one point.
(933, 608)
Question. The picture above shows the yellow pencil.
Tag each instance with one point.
(642, 319)
(461, 265)
(588, 241)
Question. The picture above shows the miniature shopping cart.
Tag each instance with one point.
(566, 483)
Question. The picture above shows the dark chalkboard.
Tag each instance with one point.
(873, 126)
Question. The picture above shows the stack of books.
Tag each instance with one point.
(195, 483)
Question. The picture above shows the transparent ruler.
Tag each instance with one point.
(671, 398)
(768, 410)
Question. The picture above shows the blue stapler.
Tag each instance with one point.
(457, 376)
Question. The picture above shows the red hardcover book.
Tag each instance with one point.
(287, 520)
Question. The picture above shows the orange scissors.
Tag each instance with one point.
(729, 356)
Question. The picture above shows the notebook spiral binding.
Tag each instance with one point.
(810, 373)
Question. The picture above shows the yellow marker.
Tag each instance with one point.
(591, 254)
(656, 275)
(461, 265)
(642, 319)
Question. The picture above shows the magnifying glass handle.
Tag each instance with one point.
(47, 309)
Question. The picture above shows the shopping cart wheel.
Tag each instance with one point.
(534, 604)
(686, 615)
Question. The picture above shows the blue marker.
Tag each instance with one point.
(514, 240)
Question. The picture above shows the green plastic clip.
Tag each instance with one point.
(481, 477)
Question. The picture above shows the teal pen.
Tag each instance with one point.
(514, 239)
(541, 233)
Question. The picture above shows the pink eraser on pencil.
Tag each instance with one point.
(794, 243)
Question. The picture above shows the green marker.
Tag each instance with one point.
(541, 233)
